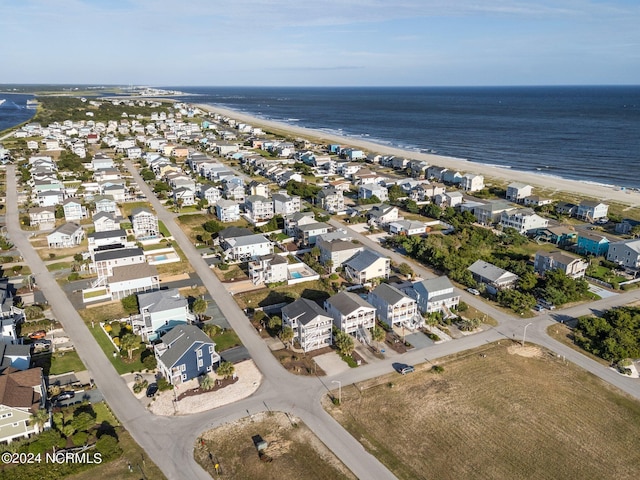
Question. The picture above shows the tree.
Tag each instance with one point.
(83, 421)
(212, 226)
(40, 417)
(226, 369)
(378, 334)
(206, 237)
(315, 251)
(274, 322)
(405, 269)
(287, 334)
(130, 342)
(199, 307)
(130, 304)
(344, 343)
(206, 383)
(396, 192)
(108, 447)
(635, 231)
(527, 281)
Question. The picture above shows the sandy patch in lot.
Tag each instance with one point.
(292, 452)
(249, 379)
(528, 351)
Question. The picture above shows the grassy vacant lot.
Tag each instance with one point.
(502, 416)
(295, 450)
(63, 362)
(315, 290)
(132, 455)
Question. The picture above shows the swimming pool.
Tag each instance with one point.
(160, 258)
(296, 275)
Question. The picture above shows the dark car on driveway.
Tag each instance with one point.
(67, 395)
(152, 389)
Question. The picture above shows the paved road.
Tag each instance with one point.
(169, 441)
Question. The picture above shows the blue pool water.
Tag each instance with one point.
(296, 275)
(160, 258)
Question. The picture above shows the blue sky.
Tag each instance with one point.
(322, 42)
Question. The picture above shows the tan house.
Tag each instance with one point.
(21, 395)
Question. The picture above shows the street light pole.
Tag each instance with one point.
(524, 335)
(339, 390)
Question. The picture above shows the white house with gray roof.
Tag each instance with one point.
(495, 278)
(310, 323)
(144, 223)
(66, 236)
(367, 265)
(626, 253)
(434, 295)
(350, 312)
(285, 204)
(239, 249)
(393, 306)
(160, 311)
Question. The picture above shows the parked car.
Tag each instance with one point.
(66, 395)
(473, 291)
(407, 369)
(539, 308)
(42, 344)
(152, 389)
(38, 335)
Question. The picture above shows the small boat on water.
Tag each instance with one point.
(2, 100)
(32, 104)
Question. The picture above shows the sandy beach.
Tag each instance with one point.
(550, 184)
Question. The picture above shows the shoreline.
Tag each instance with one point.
(588, 189)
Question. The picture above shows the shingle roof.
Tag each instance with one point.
(17, 388)
(304, 310)
(67, 229)
(108, 234)
(489, 271)
(161, 300)
(364, 259)
(179, 340)
(133, 272)
(347, 302)
(390, 294)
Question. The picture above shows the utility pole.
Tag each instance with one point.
(524, 336)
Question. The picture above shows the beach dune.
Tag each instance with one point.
(548, 183)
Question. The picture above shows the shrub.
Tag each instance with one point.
(108, 447)
(223, 266)
(139, 386)
(150, 362)
(80, 438)
(163, 384)
(437, 369)
(73, 277)
(33, 312)
(116, 341)
(116, 329)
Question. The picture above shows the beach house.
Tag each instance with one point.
(592, 244)
(350, 312)
(311, 324)
(572, 266)
(625, 253)
(434, 295)
(393, 306)
(494, 278)
(66, 236)
(367, 265)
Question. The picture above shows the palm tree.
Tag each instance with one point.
(199, 306)
(40, 417)
(130, 342)
(287, 334)
(344, 343)
(226, 369)
(207, 383)
(378, 335)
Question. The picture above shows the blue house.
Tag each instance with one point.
(592, 244)
(185, 353)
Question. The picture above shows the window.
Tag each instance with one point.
(183, 368)
(200, 364)
(200, 353)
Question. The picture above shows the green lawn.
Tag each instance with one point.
(63, 362)
(315, 290)
(227, 339)
(122, 365)
(163, 229)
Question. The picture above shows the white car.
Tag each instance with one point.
(473, 291)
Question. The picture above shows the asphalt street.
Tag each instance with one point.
(169, 441)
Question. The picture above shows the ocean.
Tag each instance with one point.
(588, 133)
(14, 110)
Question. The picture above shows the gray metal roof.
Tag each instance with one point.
(120, 253)
(67, 229)
(132, 272)
(108, 234)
